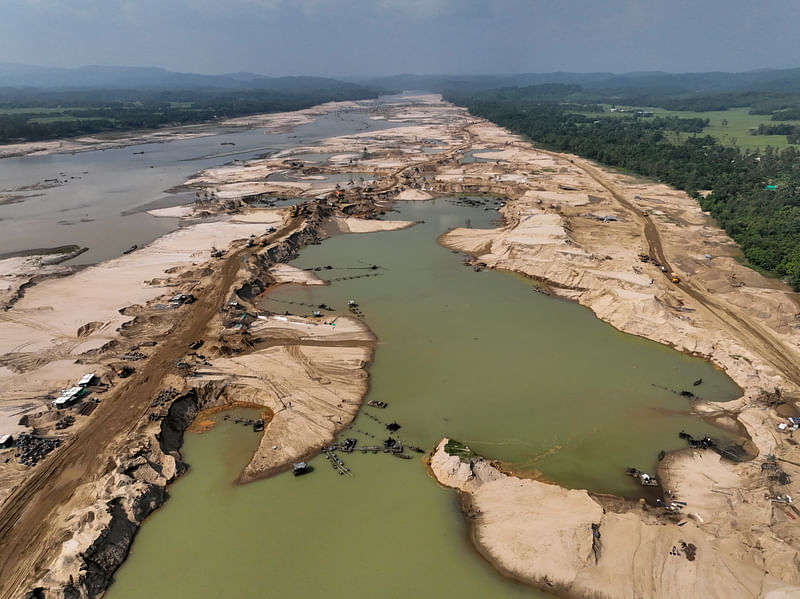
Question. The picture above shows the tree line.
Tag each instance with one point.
(33, 115)
(792, 132)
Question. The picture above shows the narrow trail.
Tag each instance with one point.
(750, 332)
(28, 525)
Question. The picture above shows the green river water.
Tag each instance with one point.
(537, 382)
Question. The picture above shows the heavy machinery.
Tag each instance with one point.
(675, 278)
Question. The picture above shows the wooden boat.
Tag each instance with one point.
(645, 479)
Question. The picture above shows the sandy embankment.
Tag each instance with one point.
(45, 322)
(285, 273)
(390, 150)
(414, 194)
(184, 211)
(568, 541)
(64, 327)
(311, 375)
(286, 121)
(358, 225)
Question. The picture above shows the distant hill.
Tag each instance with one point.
(608, 83)
(40, 103)
(469, 83)
(149, 78)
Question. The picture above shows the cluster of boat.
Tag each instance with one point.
(702, 443)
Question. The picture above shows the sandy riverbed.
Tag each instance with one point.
(311, 376)
(572, 543)
(721, 310)
(576, 228)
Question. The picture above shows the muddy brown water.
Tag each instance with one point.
(479, 356)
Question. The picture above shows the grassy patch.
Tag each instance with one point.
(66, 118)
(732, 127)
(458, 449)
(36, 110)
(729, 127)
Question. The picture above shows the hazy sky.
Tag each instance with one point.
(354, 37)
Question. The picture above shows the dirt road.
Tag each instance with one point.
(27, 529)
(751, 333)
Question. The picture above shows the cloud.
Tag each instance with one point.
(373, 36)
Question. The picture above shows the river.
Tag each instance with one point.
(100, 197)
(529, 379)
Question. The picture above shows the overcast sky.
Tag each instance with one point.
(361, 37)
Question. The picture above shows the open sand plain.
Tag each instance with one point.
(576, 228)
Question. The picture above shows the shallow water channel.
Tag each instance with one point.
(535, 381)
(98, 199)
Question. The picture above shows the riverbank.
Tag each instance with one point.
(567, 224)
(200, 300)
(131, 321)
(614, 243)
(310, 373)
(601, 239)
(579, 545)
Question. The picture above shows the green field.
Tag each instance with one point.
(729, 127)
(66, 118)
(37, 110)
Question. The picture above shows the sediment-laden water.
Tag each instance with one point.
(479, 356)
(388, 531)
(537, 382)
